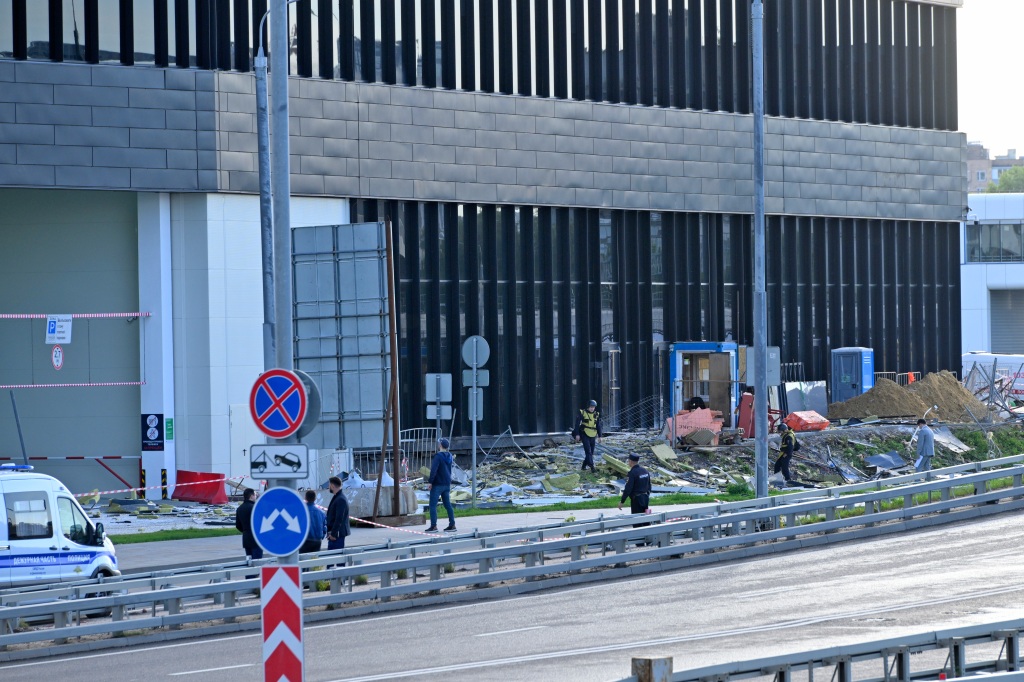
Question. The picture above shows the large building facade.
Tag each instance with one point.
(571, 179)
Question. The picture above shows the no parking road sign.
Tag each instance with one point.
(278, 403)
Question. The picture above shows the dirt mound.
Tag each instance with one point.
(886, 399)
(946, 391)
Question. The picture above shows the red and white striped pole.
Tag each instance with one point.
(281, 613)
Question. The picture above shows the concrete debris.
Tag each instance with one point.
(889, 460)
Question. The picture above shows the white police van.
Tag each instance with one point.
(45, 536)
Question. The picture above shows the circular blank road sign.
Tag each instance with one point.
(476, 345)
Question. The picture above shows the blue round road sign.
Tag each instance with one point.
(278, 403)
(280, 521)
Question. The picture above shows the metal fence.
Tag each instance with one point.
(443, 570)
(943, 654)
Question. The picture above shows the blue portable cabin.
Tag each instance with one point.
(708, 369)
(853, 372)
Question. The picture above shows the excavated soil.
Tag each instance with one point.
(886, 399)
(946, 391)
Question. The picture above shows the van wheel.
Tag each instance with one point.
(99, 613)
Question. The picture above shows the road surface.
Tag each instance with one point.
(965, 574)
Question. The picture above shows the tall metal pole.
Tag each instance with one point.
(760, 308)
(474, 416)
(280, 185)
(266, 217)
(280, 181)
(17, 422)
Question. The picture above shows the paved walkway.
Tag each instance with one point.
(148, 556)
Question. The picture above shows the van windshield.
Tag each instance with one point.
(73, 523)
(28, 515)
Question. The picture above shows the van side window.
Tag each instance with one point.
(28, 516)
(72, 521)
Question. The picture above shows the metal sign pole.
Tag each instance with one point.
(437, 403)
(474, 417)
(760, 307)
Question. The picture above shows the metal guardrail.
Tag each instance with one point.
(421, 572)
(996, 647)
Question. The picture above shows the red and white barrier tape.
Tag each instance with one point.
(80, 385)
(156, 487)
(77, 316)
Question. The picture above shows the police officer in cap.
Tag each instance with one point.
(588, 430)
(638, 487)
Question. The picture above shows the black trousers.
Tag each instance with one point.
(311, 546)
(588, 451)
(782, 464)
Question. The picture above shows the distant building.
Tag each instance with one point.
(981, 170)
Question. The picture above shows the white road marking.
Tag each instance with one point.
(125, 652)
(211, 670)
(509, 632)
(621, 646)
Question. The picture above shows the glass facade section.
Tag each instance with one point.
(995, 243)
(890, 62)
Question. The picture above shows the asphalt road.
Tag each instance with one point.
(960, 575)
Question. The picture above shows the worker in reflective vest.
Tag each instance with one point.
(587, 431)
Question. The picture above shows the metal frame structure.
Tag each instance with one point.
(521, 561)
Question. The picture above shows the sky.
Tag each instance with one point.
(991, 89)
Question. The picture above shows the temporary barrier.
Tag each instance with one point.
(806, 421)
(210, 493)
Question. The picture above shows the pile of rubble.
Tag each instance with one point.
(940, 394)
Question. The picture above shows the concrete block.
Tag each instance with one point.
(630, 165)
(612, 147)
(683, 185)
(828, 145)
(27, 133)
(374, 168)
(555, 196)
(496, 175)
(933, 167)
(701, 202)
(906, 136)
(434, 191)
(494, 139)
(732, 139)
(555, 126)
(344, 148)
(631, 131)
(167, 179)
(324, 165)
(412, 170)
(815, 160)
(830, 176)
(515, 123)
(162, 139)
(682, 118)
(876, 133)
(594, 198)
(239, 181)
(798, 143)
(475, 156)
(418, 98)
(736, 171)
(847, 161)
(28, 93)
(589, 162)
(495, 104)
(702, 169)
(393, 151)
(648, 183)
(185, 159)
(574, 145)
(345, 111)
(532, 106)
(744, 203)
(244, 142)
(574, 109)
(845, 131)
(93, 176)
(411, 133)
(206, 159)
(208, 180)
(18, 175)
(433, 153)
(613, 181)
(574, 179)
(814, 128)
(179, 79)
(341, 186)
(717, 121)
(862, 147)
(50, 72)
(474, 120)
(878, 194)
(717, 154)
(540, 177)
(160, 99)
(207, 101)
(846, 192)
(50, 155)
(53, 113)
(555, 160)
(181, 120)
(124, 157)
(376, 93)
(307, 108)
(799, 206)
(745, 155)
(309, 184)
(238, 161)
(313, 88)
(667, 134)
(7, 114)
(233, 122)
(611, 113)
(648, 150)
(797, 174)
(471, 191)
(90, 136)
(303, 146)
(6, 72)
(905, 166)
(123, 117)
(648, 116)
(454, 100)
(717, 186)
(830, 207)
(516, 158)
(517, 194)
(810, 190)
(450, 136)
(667, 167)
(535, 142)
(697, 136)
(679, 152)
(454, 173)
(8, 154)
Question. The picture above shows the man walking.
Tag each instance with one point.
(317, 525)
(243, 522)
(440, 485)
(337, 516)
(638, 487)
(787, 446)
(925, 446)
(588, 430)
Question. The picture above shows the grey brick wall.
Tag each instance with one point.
(74, 125)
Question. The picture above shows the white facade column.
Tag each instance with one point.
(156, 341)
